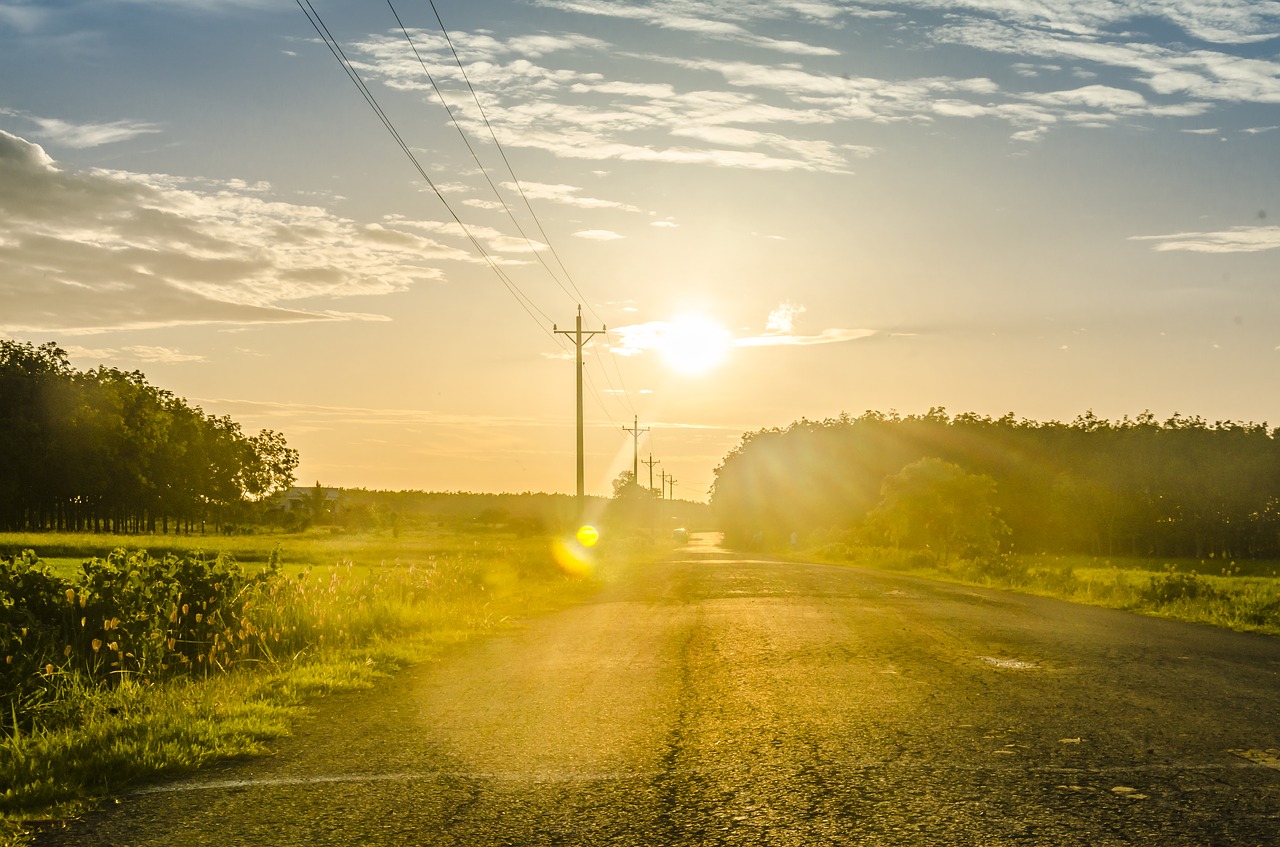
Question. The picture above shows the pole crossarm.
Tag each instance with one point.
(635, 429)
(651, 462)
(580, 338)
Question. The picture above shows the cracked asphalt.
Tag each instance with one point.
(716, 700)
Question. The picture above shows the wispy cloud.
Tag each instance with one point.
(134, 353)
(782, 319)
(1172, 71)
(598, 235)
(779, 331)
(826, 336)
(23, 17)
(1241, 239)
(567, 195)
(713, 20)
(83, 135)
(576, 114)
(86, 251)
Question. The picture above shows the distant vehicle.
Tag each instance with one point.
(680, 534)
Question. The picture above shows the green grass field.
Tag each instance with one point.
(346, 610)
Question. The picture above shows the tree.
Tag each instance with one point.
(625, 487)
(936, 505)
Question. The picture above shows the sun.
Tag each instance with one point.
(693, 344)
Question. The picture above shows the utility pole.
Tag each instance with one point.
(578, 340)
(671, 487)
(635, 429)
(651, 462)
(662, 477)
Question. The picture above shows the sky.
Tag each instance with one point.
(778, 210)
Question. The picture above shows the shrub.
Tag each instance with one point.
(1172, 586)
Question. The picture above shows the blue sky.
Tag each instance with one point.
(993, 206)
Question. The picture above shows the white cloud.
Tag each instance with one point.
(658, 335)
(566, 195)
(138, 353)
(714, 20)
(582, 115)
(1219, 21)
(1241, 239)
(82, 136)
(827, 336)
(1168, 70)
(783, 318)
(597, 235)
(23, 17)
(86, 251)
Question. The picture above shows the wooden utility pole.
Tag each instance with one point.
(662, 478)
(635, 429)
(651, 462)
(579, 338)
(671, 487)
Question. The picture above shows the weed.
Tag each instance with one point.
(1173, 586)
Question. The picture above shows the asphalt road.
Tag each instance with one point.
(721, 700)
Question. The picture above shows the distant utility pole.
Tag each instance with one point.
(671, 487)
(651, 462)
(662, 478)
(579, 338)
(635, 429)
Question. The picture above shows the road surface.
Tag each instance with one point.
(720, 700)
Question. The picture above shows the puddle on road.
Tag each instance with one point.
(1009, 664)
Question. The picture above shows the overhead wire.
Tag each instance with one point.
(453, 119)
(503, 153)
(336, 49)
(623, 391)
(524, 300)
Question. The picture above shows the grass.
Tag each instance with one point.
(1233, 594)
(317, 547)
(370, 605)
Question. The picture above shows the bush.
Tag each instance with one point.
(1172, 586)
(126, 615)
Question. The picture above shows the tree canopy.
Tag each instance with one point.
(1181, 487)
(104, 448)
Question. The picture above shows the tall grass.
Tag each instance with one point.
(155, 666)
(1243, 595)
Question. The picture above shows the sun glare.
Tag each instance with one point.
(694, 345)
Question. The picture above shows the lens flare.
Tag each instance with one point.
(588, 536)
(575, 555)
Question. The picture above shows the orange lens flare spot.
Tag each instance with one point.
(574, 555)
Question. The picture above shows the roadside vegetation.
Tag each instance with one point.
(1243, 596)
(135, 665)
(1179, 518)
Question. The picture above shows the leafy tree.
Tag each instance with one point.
(935, 505)
(104, 449)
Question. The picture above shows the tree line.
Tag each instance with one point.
(1137, 486)
(104, 450)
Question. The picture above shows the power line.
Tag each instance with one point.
(484, 172)
(519, 187)
(503, 153)
(526, 302)
(336, 49)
